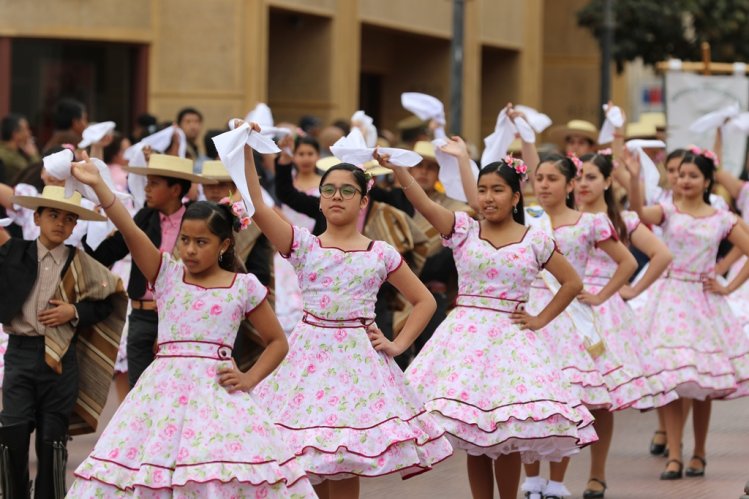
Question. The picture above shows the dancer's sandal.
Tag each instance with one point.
(695, 472)
(657, 449)
(673, 475)
(595, 494)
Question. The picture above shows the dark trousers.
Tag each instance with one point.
(35, 394)
(143, 329)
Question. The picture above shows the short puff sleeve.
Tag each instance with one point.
(602, 229)
(170, 271)
(301, 244)
(631, 221)
(462, 227)
(728, 221)
(390, 256)
(543, 246)
(256, 293)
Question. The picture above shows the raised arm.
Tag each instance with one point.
(652, 215)
(278, 231)
(6, 192)
(440, 217)
(571, 285)
(145, 255)
(660, 258)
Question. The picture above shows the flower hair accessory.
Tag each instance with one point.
(518, 165)
(577, 162)
(370, 181)
(240, 219)
(605, 152)
(707, 153)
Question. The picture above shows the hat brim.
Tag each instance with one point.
(376, 171)
(217, 179)
(559, 134)
(34, 202)
(144, 170)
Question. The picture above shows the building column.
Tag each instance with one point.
(5, 70)
(472, 73)
(255, 53)
(531, 62)
(345, 61)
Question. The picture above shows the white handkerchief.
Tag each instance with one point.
(424, 106)
(366, 123)
(614, 119)
(58, 166)
(263, 116)
(449, 174)
(525, 130)
(159, 142)
(353, 149)
(713, 120)
(539, 121)
(136, 184)
(94, 133)
(739, 123)
(650, 174)
(496, 144)
(98, 232)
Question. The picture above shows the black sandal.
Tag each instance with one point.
(673, 475)
(657, 449)
(595, 494)
(693, 472)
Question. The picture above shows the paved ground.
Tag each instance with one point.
(633, 473)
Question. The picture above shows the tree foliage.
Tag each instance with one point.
(656, 30)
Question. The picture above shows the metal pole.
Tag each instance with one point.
(607, 43)
(456, 69)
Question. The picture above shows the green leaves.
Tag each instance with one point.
(657, 31)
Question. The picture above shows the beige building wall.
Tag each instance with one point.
(307, 56)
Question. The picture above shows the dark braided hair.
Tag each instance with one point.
(221, 221)
(613, 209)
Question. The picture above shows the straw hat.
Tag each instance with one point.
(641, 130)
(215, 170)
(54, 197)
(657, 119)
(411, 123)
(515, 146)
(425, 149)
(165, 165)
(372, 167)
(574, 127)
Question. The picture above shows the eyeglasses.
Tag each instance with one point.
(347, 191)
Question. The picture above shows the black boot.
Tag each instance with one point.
(50, 478)
(14, 461)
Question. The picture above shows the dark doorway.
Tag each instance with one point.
(370, 95)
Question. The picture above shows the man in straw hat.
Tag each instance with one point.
(577, 136)
(169, 179)
(51, 297)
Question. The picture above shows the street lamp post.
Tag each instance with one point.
(456, 68)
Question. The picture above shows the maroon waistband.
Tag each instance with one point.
(353, 323)
(195, 349)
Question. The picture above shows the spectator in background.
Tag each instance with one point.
(190, 121)
(17, 148)
(344, 125)
(310, 125)
(145, 125)
(70, 120)
(327, 137)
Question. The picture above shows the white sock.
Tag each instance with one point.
(533, 484)
(556, 489)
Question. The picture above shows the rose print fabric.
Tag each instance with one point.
(179, 433)
(493, 386)
(693, 334)
(625, 336)
(592, 379)
(739, 299)
(342, 407)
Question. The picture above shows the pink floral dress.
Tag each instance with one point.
(492, 385)
(739, 299)
(343, 407)
(592, 379)
(693, 334)
(179, 433)
(625, 335)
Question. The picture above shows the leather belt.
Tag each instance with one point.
(143, 304)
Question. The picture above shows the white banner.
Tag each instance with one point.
(690, 96)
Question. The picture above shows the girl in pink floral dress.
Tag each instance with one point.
(692, 331)
(598, 375)
(339, 397)
(179, 432)
(484, 373)
(624, 332)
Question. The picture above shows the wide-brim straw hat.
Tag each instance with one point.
(372, 167)
(641, 130)
(574, 127)
(54, 197)
(215, 170)
(656, 118)
(165, 165)
(425, 149)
